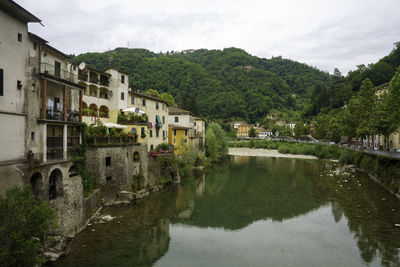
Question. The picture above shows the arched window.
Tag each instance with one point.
(55, 188)
(36, 184)
(73, 171)
(136, 156)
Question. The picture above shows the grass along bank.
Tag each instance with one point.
(384, 169)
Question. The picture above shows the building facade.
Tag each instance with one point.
(243, 130)
(156, 111)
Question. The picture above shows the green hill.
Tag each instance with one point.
(223, 84)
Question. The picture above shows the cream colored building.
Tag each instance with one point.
(156, 110)
(105, 93)
(200, 133)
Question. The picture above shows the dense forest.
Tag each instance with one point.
(219, 84)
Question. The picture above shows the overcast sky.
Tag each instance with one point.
(321, 33)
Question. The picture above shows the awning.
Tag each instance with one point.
(134, 110)
(114, 125)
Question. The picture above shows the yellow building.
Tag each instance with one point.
(179, 137)
(243, 130)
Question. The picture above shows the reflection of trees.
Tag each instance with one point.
(259, 188)
(370, 218)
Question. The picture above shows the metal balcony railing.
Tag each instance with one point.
(57, 114)
(54, 114)
(57, 72)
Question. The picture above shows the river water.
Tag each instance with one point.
(251, 211)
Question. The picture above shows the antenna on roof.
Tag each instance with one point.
(82, 65)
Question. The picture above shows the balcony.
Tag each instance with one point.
(57, 114)
(82, 75)
(104, 80)
(57, 72)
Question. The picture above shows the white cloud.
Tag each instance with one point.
(325, 34)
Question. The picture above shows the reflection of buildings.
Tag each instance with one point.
(185, 201)
(157, 237)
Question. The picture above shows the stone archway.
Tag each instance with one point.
(36, 183)
(55, 184)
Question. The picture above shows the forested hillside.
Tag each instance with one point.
(342, 88)
(224, 84)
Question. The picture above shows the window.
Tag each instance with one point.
(163, 119)
(151, 133)
(108, 161)
(132, 100)
(34, 46)
(157, 132)
(185, 132)
(194, 123)
(19, 37)
(174, 141)
(152, 147)
(57, 69)
(142, 133)
(156, 105)
(122, 78)
(176, 119)
(108, 178)
(1, 82)
(144, 102)
(122, 96)
(33, 136)
(174, 132)
(163, 133)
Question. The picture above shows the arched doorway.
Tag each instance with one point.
(55, 186)
(36, 184)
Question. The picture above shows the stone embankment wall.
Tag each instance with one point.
(124, 172)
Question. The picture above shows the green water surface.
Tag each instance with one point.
(251, 211)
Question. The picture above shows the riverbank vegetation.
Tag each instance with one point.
(386, 170)
(216, 144)
(25, 221)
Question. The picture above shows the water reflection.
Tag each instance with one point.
(287, 201)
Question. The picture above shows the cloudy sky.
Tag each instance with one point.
(324, 34)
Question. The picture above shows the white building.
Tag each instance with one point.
(267, 134)
(14, 54)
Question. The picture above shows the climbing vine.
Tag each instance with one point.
(88, 181)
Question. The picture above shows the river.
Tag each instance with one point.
(251, 211)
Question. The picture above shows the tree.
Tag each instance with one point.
(252, 132)
(24, 223)
(216, 145)
(364, 112)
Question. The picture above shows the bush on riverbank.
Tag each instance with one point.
(216, 144)
(24, 223)
(387, 170)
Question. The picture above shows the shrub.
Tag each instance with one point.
(216, 145)
(24, 224)
(346, 156)
(162, 147)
